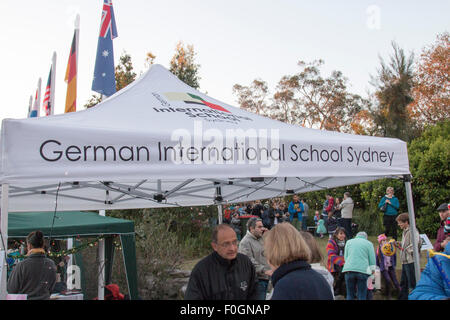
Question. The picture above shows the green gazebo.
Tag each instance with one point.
(71, 224)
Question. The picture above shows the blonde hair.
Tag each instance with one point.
(283, 244)
(389, 188)
(316, 255)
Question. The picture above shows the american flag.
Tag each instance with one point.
(46, 102)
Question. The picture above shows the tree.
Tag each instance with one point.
(149, 59)
(183, 65)
(429, 157)
(124, 72)
(431, 92)
(307, 99)
(124, 76)
(394, 83)
(323, 103)
(253, 97)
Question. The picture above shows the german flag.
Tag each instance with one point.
(71, 78)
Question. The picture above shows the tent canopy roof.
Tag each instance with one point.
(67, 224)
(159, 142)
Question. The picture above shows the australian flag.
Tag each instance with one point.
(104, 79)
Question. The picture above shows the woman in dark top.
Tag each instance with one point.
(36, 275)
(293, 278)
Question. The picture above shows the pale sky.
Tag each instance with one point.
(235, 41)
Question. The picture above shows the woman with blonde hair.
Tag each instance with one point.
(293, 278)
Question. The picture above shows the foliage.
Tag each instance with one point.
(253, 98)
(308, 99)
(394, 83)
(183, 65)
(124, 72)
(149, 59)
(431, 92)
(429, 157)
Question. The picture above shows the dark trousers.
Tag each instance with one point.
(391, 281)
(346, 223)
(339, 283)
(407, 281)
(390, 226)
(356, 283)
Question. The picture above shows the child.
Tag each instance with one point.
(387, 266)
(321, 230)
(316, 218)
(332, 225)
(335, 260)
(408, 279)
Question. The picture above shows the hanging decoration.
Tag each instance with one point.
(66, 252)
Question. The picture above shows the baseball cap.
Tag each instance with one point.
(443, 207)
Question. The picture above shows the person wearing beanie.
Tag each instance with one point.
(444, 213)
(36, 275)
(359, 256)
(387, 266)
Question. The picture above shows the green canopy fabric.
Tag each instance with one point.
(67, 224)
(70, 224)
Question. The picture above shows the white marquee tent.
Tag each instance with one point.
(159, 142)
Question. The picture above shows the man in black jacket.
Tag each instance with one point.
(225, 274)
(36, 275)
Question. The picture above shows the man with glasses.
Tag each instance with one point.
(225, 274)
(252, 246)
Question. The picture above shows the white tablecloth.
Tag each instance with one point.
(57, 296)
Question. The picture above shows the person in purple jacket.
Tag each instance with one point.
(444, 213)
(387, 266)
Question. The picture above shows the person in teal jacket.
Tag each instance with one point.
(360, 263)
(392, 206)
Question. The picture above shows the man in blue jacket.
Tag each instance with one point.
(296, 212)
(435, 284)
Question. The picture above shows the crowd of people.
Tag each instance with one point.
(282, 259)
(335, 213)
(278, 256)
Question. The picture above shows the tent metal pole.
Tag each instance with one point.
(101, 264)
(4, 239)
(219, 214)
(412, 225)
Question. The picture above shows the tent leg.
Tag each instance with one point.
(412, 224)
(4, 239)
(219, 214)
(70, 246)
(101, 265)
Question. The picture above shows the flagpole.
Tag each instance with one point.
(77, 42)
(38, 98)
(53, 84)
(30, 105)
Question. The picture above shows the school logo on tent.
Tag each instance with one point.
(190, 98)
